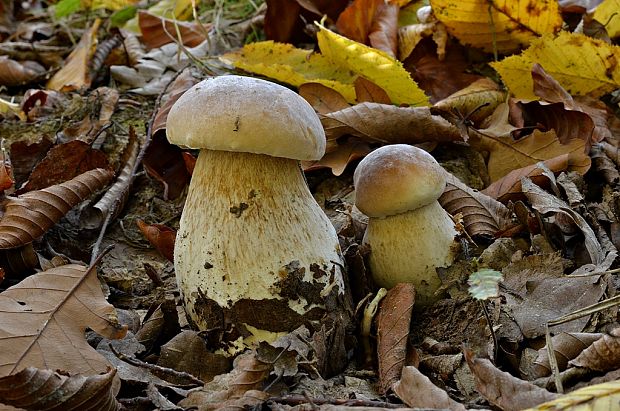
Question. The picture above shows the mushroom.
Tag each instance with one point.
(255, 256)
(409, 234)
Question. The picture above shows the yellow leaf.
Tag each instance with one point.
(75, 73)
(170, 9)
(608, 13)
(581, 64)
(480, 98)
(6, 107)
(511, 23)
(111, 4)
(294, 66)
(374, 65)
(599, 397)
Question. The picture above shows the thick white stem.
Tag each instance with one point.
(253, 240)
(407, 247)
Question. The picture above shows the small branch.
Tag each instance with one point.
(303, 399)
(152, 367)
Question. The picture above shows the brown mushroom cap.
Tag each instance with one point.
(395, 179)
(245, 114)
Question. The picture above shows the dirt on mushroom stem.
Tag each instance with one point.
(254, 251)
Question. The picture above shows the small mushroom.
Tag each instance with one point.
(255, 255)
(409, 234)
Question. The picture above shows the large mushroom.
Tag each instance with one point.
(255, 256)
(409, 234)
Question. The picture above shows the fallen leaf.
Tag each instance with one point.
(582, 65)
(323, 99)
(597, 397)
(393, 321)
(340, 156)
(17, 73)
(64, 162)
(374, 65)
(410, 36)
(607, 13)
(281, 19)
(384, 30)
(502, 389)
(160, 236)
(164, 161)
(75, 73)
(368, 92)
(170, 9)
(482, 215)
(157, 31)
(37, 389)
(566, 347)
(502, 25)
(387, 124)
(161, 326)
(30, 215)
(602, 355)
(180, 85)
(190, 162)
(411, 386)
(18, 263)
(44, 318)
(9, 110)
(356, 20)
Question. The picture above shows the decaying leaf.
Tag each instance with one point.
(38, 389)
(160, 236)
(581, 64)
(387, 124)
(499, 24)
(30, 215)
(9, 109)
(339, 156)
(157, 31)
(502, 389)
(384, 30)
(181, 84)
(603, 354)
(323, 99)
(417, 391)
(482, 215)
(356, 20)
(17, 73)
(17, 263)
(566, 347)
(368, 92)
(393, 323)
(44, 318)
(409, 37)
(75, 72)
(164, 161)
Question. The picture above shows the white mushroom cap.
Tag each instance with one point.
(397, 178)
(245, 114)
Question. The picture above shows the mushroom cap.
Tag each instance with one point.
(395, 179)
(245, 114)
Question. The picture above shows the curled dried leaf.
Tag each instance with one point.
(30, 215)
(37, 389)
(160, 236)
(603, 354)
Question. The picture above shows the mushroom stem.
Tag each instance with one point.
(249, 220)
(429, 243)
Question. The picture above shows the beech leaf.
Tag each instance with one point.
(603, 354)
(566, 347)
(417, 391)
(393, 323)
(38, 389)
(30, 215)
(44, 318)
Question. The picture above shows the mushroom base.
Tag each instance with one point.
(407, 247)
(255, 255)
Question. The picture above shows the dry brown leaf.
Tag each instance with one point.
(509, 187)
(281, 19)
(323, 99)
(339, 156)
(161, 326)
(356, 20)
(38, 389)
(507, 154)
(480, 99)
(157, 31)
(190, 162)
(15, 73)
(64, 162)
(180, 85)
(164, 162)
(387, 124)
(417, 391)
(393, 323)
(75, 73)
(44, 318)
(482, 215)
(18, 263)
(602, 355)
(502, 389)
(30, 215)
(368, 92)
(566, 346)
(383, 33)
(410, 36)
(160, 236)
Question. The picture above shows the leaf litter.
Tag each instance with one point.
(532, 185)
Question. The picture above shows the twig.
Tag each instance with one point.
(152, 367)
(303, 399)
(490, 323)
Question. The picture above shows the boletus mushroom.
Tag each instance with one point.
(409, 234)
(255, 256)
